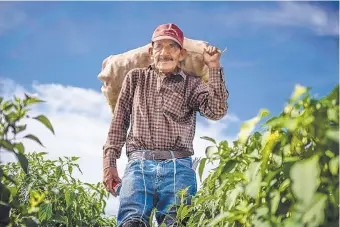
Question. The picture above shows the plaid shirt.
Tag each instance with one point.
(162, 111)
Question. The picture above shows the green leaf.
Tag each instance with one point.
(219, 218)
(23, 161)
(69, 198)
(229, 166)
(184, 212)
(264, 113)
(334, 165)
(76, 165)
(45, 122)
(33, 137)
(315, 214)
(203, 199)
(6, 144)
(248, 126)
(12, 117)
(17, 100)
(298, 92)
(292, 222)
(20, 128)
(70, 168)
(210, 151)
(275, 200)
(7, 106)
(31, 100)
(333, 135)
(58, 172)
(75, 158)
(45, 211)
(209, 139)
(20, 147)
(260, 213)
(329, 154)
(8, 177)
(153, 211)
(333, 114)
(254, 178)
(231, 198)
(259, 223)
(201, 167)
(305, 179)
(223, 144)
(253, 187)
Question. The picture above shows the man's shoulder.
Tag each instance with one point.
(136, 73)
(138, 70)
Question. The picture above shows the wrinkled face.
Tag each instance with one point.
(166, 55)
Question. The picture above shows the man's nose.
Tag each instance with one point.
(165, 50)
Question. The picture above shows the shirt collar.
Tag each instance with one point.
(183, 74)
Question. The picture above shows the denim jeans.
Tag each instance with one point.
(149, 184)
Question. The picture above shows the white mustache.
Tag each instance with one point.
(165, 59)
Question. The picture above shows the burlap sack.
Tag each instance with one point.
(115, 67)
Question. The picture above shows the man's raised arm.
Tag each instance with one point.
(210, 99)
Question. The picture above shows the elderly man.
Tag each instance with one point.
(161, 103)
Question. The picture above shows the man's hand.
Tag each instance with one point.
(211, 57)
(110, 177)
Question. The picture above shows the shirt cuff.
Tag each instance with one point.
(109, 160)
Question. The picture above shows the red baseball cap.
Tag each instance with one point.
(168, 31)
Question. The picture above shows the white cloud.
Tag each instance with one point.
(81, 119)
(289, 14)
(10, 17)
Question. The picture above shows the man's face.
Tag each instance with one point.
(166, 55)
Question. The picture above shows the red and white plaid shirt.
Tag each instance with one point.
(162, 112)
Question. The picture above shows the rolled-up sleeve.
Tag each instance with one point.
(210, 99)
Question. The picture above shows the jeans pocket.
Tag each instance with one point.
(130, 164)
(185, 162)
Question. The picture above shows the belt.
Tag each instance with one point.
(158, 155)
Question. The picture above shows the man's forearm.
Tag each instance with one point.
(211, 99)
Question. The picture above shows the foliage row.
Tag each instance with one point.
(284, 175)
(36, 191)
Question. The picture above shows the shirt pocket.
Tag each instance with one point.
(173, 104)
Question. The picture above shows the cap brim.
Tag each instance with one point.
(166, 37)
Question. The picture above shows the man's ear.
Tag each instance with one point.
(183, 54)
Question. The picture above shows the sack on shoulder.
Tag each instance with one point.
(115, 67)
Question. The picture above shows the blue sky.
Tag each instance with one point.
(56, 49)
(269, 48)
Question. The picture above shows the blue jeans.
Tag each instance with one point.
(149, 184)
